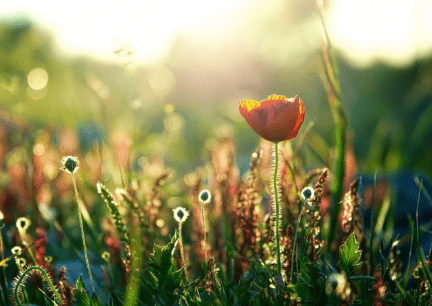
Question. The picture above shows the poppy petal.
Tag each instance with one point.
(276, 118)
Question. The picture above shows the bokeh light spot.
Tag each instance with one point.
(169, 108)
(37, 78)
(160, 223)
(39, 149)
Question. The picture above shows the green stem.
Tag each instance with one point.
(45, 277)
(337, 187)
(295, 239)
(132, 289)
(277, 211)
(4, 268)
(82, 231)
(205, 235)
(181, 243)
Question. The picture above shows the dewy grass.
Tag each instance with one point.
(70, 165)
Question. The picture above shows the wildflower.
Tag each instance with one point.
(16, 250)
(275, 119)
(180, 214)
(70, 164)
(307, 193)
(205, 196)
(23, 224)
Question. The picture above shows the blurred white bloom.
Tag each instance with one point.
(180, 214)
(205, 196)
(23, 224)
(16, 250)
(307, 193)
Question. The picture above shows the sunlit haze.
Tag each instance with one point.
(94, 27)
(392, 31)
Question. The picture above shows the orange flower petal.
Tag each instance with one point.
(276, 118)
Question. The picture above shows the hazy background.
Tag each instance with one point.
(167, 75)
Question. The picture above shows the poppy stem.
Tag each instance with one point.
(277, 210)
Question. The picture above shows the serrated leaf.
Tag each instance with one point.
(163, 281)
(81, 296)
(161, 259)
(350, 255)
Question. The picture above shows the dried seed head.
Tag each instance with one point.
(70, 164)
(307, 193)
(180, 214)
(205, 196)
(23, 224)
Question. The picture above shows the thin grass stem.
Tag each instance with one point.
(204, 229)
(82, 230)
(4, 268)
(181, 243)
(295, 238)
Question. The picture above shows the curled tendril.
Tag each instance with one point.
(25, 274)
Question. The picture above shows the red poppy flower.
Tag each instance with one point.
(275, 119)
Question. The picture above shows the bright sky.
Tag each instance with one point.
(89, 26)
(395, 31)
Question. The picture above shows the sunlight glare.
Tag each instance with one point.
(392, 31)
(92, 27)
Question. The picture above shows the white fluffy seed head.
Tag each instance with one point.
(307, 193)
(204, 196)
(70, 164)
(16, 250)
(180, 214)
(23, 224)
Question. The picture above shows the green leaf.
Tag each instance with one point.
(79, 283)
(310, 286)
(350, 255)
(161, 259)
(162, 281)
(81, 295)
(94, 300)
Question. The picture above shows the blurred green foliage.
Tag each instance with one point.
(388, 109)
